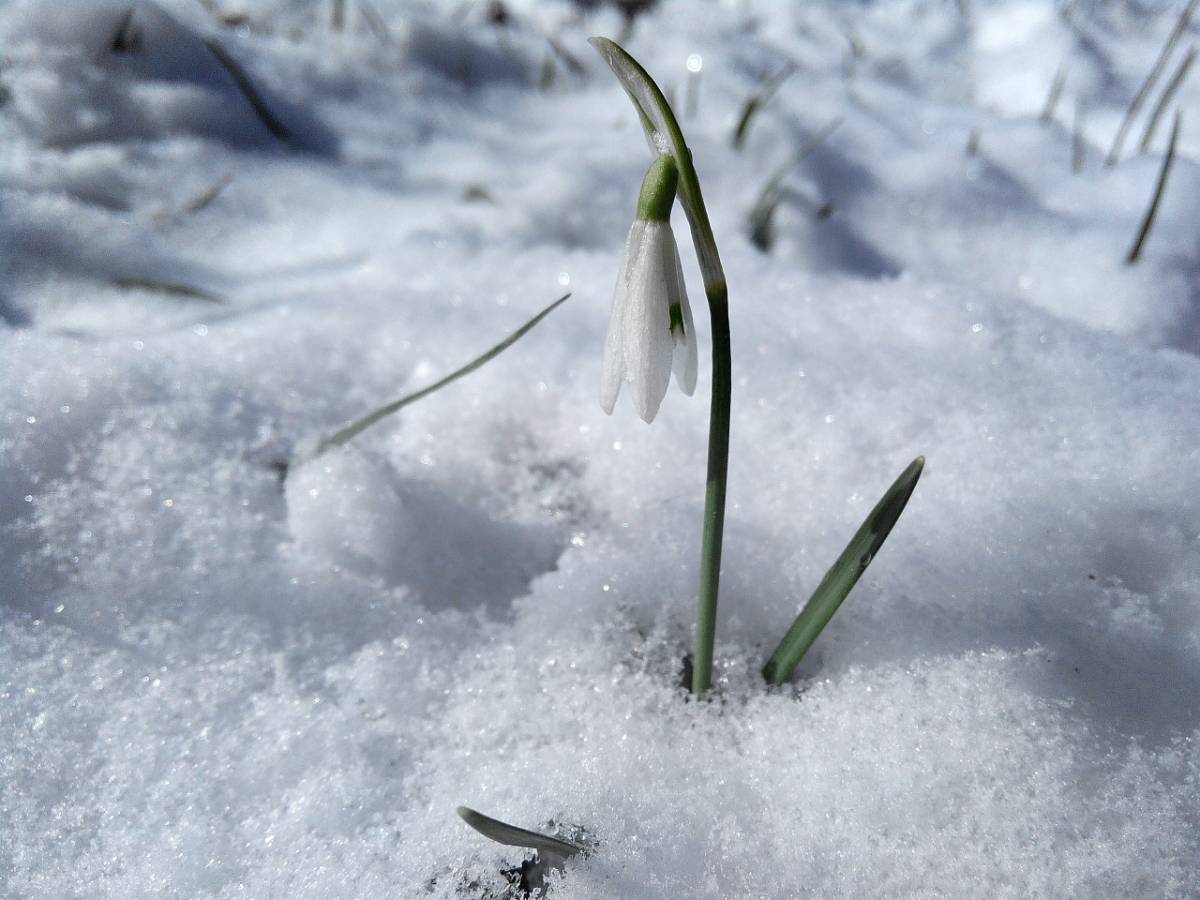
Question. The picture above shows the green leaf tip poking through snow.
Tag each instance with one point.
(842, 576)
(350, 431)
(512, 836)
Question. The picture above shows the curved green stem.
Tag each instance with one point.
(714, 494)
(666, 138)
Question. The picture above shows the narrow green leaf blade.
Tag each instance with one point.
(757, 101)
(170, 288)
(359, 425)
(842, 576)
(512, 836)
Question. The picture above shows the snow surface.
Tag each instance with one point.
(215, 683)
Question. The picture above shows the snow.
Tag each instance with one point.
(224, 676)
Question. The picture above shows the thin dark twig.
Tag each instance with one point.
(1139, 98)
(1165, 99)
(339, 14)
(1056, 89)
(249, 91)
(1136, 250)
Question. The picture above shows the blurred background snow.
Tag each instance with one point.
(216, 680)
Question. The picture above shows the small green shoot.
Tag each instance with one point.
(1056, 89)
(759, 220)
(842, 576)
(1135, 252)
(1165, 100)
(554, 848)
(347, 433)
(1135, 105)
(757, 101)
(170, 288)
(1078, 139)
(278, 130)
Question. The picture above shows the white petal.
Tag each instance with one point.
(683, 361)
(639, 347)
(648, 344)
(612, 369)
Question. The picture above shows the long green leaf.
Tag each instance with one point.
(841, 578)
(358, 425)
(512, 836)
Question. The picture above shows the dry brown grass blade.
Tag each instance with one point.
(278, 130)
(1135, 251)
(1114, 154)
(1165, 100)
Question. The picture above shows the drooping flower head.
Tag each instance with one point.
(650, 331)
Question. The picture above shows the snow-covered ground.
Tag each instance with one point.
(219, 681)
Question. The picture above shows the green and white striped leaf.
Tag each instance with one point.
(841, 578)
(512, 836)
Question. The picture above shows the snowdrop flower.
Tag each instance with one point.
(650, 331)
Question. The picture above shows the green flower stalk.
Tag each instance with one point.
(651, 332)
(666, 139)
